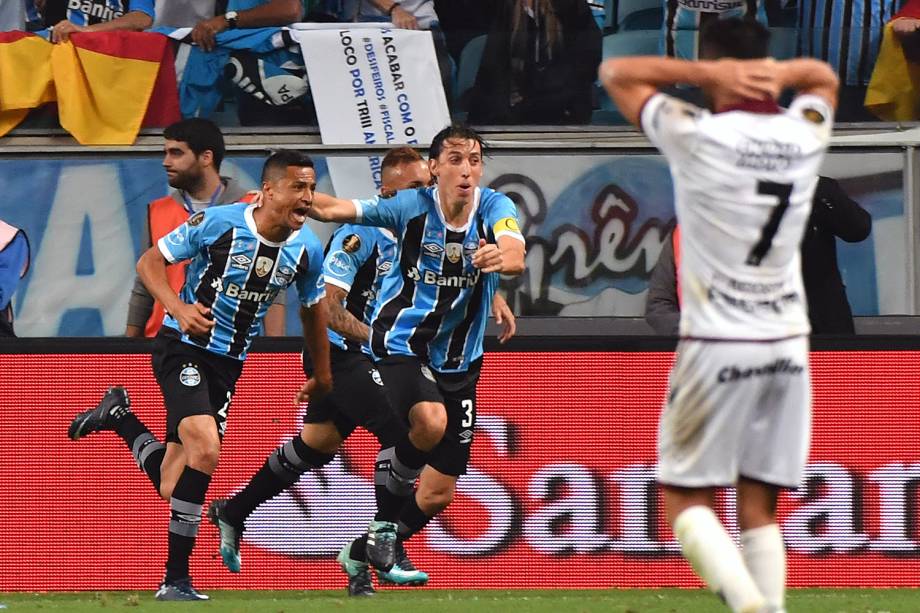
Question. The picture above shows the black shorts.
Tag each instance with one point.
(358, 398)
(194, 381)
(409, 382)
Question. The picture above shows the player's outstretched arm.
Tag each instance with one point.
(193, 318)
(341, 320)
(809, 76)
(315, 319)
(330, 208)
(631, 81)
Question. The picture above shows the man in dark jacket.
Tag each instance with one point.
(833, 214)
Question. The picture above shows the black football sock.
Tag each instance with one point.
(359, 549)
(280, 471)
(395, 473)
(148, 452)
(185, 507)
(411, 520)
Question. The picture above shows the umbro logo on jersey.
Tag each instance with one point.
(240, 261)
(433, 249)
(264, 265)
(466, 437)
(385, 267)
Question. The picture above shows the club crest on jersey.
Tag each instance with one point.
(337, 263)
(432, 249)
(469, 249)
(283, 276)
(454, 252)
(264, 265)
(189, 375)
(240, 261)
(351, 243)
(196, 219)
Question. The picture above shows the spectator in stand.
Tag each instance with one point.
(833, 214)
(682, 23)
(14, 264)
(539, 65)
(247, 14)
(847, 34)
(184, 13)
(193, 151)
(95, 16)
(12, 15)
(906, 26)
(464, 20)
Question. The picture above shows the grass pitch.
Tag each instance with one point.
(471, 601)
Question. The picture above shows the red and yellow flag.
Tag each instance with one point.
(894, 89)
(25, 76)
(105, 83)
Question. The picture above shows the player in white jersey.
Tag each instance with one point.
(738, 411)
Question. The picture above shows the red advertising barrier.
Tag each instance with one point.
(560, 493)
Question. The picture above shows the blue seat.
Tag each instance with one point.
(623, 44)
(619, 11)
(784, 43)
(468, 67)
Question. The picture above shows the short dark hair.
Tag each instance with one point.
(742, 39)
(200, 135)
(455, 131)
(397, 156)
(277, 163)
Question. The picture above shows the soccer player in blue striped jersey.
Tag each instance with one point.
(684, 19)
(97, 16)
(453, 240)
(241, 256)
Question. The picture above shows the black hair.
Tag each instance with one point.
(277, 163)
(455, 131)
(200, 135)
(742, 39)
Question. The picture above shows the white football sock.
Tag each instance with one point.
(765, 557)
(714, 557)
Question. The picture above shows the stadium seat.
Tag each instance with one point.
(619, 11)
(621, 44)
(784, 43)
(467, 69)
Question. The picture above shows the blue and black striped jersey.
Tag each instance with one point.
(90, 12)
(685, 19)
(357, 259)
(237, 273)
(434, 303)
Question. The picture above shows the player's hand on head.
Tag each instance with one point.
(755, 79)
(194, 319)
(488, 257)
(313, 389)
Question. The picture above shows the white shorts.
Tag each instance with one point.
(736, 409)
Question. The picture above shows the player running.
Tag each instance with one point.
(241, 257)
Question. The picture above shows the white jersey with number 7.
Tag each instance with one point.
(743, 185)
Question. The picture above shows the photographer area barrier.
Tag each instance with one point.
(560, 491)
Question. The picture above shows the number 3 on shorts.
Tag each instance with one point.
(467, 405)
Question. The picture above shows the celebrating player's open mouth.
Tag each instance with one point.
(299, 214)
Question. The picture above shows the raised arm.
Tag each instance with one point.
(631, 81)
(330, 208)
(505, 256)
(810, 76)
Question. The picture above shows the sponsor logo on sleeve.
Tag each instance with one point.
(351, 243)
(337, 263)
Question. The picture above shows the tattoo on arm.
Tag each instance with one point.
(341, 320)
